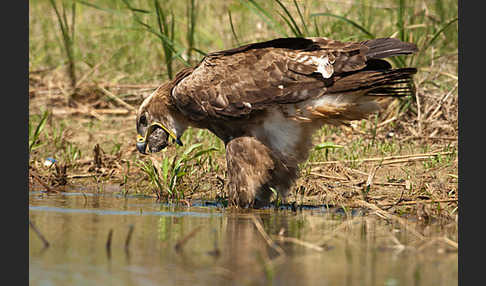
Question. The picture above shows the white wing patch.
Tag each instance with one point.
(322, 64)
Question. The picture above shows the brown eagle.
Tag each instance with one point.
(265, 100)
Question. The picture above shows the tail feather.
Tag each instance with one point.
(394, 82)
(386, 47)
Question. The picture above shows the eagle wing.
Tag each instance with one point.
(234, 83)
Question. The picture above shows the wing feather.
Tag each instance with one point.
(234, 83)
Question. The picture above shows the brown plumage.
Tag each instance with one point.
(264, 100)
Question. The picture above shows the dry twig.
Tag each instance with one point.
(416, 202)
(34, 175)
(388, 159)
(441, 102)
(328, 176)
(116, 98)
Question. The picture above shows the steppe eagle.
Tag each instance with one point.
(265, 100)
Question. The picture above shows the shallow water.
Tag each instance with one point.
(207, 245)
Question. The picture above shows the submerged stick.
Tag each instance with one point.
(454, 245)
(216, 252)
(182, 242)
(384, 214)
(266, 237)
(302, 243)
(341, 227)
(450, 242)
(44, 240)
(108, 243)
(129, 237)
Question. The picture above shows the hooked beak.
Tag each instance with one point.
(141, 144)
(142, 140)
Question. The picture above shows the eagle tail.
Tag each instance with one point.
(387, 82)
(396, 83)
(357, 95)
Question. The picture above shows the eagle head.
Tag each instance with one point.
(156, 123)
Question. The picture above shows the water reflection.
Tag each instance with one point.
(223, 247)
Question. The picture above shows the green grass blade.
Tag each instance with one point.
(64, 18)
(190, 149)
(434, 37)
(73, 20)
(439, 7)
(425, 47)
(200, 52)
(327, 145)
(400, 20)
(67, 38)
(164, 35)
(317, 33)
(164, 30)
(160, 15)
(202, 152)
(257, 9)
(296, 29)
(301, 18)
(351, 22)
(191, 27)
(53, 4)
(89, 4)
(233, 29)
(165, 168)
(172, 26)
(133, 9)
(38, 130)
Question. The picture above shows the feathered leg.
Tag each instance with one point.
(252, 169)
(249, 164)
